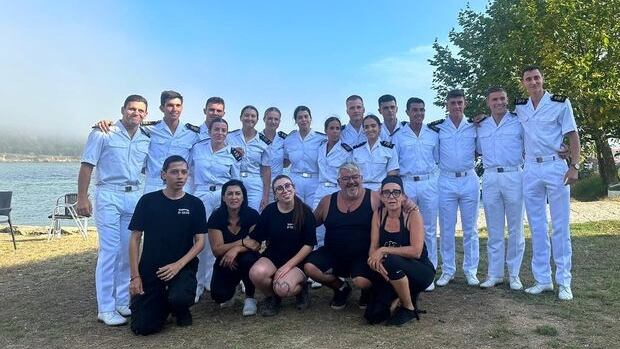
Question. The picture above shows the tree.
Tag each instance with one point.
(576, 42)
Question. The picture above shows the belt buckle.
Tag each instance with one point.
(500, 169)
(305, 174)
(212, 188)
(539, 160)
(244, 174)
(128, 188)
(416, 178)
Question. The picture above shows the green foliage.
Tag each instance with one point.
(589, 189)
(546, 330)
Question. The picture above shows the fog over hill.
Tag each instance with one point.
(13, 141)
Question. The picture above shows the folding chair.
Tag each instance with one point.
(5, 210)
(65, 209)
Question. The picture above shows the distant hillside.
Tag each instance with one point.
(34, 145)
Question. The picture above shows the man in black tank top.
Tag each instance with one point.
(347, 215)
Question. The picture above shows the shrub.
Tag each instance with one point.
(589, 189)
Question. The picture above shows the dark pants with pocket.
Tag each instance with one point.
(225, 280)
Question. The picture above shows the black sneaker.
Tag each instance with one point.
(303, 298)
(364, 298)
(271, 306)
(184, 318)
(340, 297)
(402, 316)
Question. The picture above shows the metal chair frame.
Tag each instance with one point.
(5, 199)
(65, 209)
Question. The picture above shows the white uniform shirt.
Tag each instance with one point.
(276, 149)
(303, 153)
(329, 163)
(118, 159)
(545, 126)
(204, 132)
(417, 155)
(457, 146)
(386, 135)
(377, 161)
(500, 145)
(209, 168)
(164, 143)
(255, 151)
(351, 136)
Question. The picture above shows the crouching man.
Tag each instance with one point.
(174, 227)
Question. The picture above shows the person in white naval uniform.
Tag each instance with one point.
(353, 132)
(272, 118)
(211, 164)
(389, 110)
(546, 120)
(255, 169)
(417, 146)
(377, 159)
(119, 157)
(500, 141)
(214, 108)
(459, 189)
(301, 151)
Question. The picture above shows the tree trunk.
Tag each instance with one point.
(606, 164)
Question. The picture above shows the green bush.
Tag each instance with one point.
(589, 189)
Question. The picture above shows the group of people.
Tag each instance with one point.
(360, 201)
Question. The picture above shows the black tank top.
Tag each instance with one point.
(348, 234)
(399, 238)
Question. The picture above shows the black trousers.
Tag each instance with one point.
(150, 310)
(224, 281)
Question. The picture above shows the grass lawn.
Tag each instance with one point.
(47, 300)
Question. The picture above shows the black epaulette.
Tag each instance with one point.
(471, 120)
(236, 153)
(359, 145)
(192, 128)
(282, 134)
(145, 132)
(346, 146)
(343, 126)
(387, 144)
(433, 125)
(513, 113)
(264, 138)
(321, 133)
(520, 101)
(234, 130)
(558, 98)
(403, 123)
(150, 122)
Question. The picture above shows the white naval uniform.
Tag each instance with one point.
(418, 156)
(210, 171)
(459, 188)
(375, 162)
(256, 153)
(501, 147)
(204, 132)
(276, 149)
(388, 136)
(543, 179)
(303, 155)
(164, 143)
(351, 136)
(119, 161)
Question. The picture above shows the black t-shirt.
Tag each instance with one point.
(283, 239)
(169, 227)
(218, 221)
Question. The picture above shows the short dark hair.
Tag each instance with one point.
(215, 100)
(354, 97)
(168, 95)
(218, 120)
(412, 100)
(330, 119)
(386, 98)
(135, 98)
(172, 158)
(456, 93)
(270, 109)
(494, 89)
(530, 67)
(300, 109)
(374, 117)
(248, 107)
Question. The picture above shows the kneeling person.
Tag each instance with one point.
(174, 224)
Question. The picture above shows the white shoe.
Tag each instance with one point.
(111, 318)
(430, 287)
(539, 288)
(229, 303)
(314, 284)
(565, 293)
(515, 283)
(491, 282)
(123, 310)
(249, 307)
(472, 280)
(444, 280)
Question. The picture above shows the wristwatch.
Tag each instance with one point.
(575, 166)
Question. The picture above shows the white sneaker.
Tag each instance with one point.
(444, 279)
(565, 293)
(515, 283)
(491, 282)
(472, 280)
(430, 287)
(123, 310)
(539, 288)
(229, 303)
(111, 318)
(249, 307)
(314, 284)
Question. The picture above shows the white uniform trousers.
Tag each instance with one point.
(305, 186)
(542, 181)
(502, 198)
(424, 194)
(113, 211)
(322, 191)
(461, 193)
(253, 183)
(206, 259)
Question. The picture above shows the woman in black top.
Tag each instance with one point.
(398, 254)
(288, 227)
(228, 225)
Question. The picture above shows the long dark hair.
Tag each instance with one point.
(299, 206)
(244, 210)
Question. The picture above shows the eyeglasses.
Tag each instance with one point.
(281, 188)
(350, 178)
(387, 193)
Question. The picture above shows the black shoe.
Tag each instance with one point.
(402, 316)
(302, 301)
(184, 318)
(364, 298)
(271, 306)
(340, 297)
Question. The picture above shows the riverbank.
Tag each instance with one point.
(8, 157)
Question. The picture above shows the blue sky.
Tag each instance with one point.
(66, 64)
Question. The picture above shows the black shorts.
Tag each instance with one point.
(330, 263)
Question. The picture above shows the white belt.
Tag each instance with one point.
(502, 169)
(125, 188)
(208, 187)
(455, 174)
(329, 184)
(305, 174)
(417, 178)
(249, 174)
(540, 159)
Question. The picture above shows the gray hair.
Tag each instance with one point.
(351, 166)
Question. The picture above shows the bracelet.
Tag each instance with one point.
(134, 277)
(242, 244)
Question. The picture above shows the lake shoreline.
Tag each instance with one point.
(20, 158)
